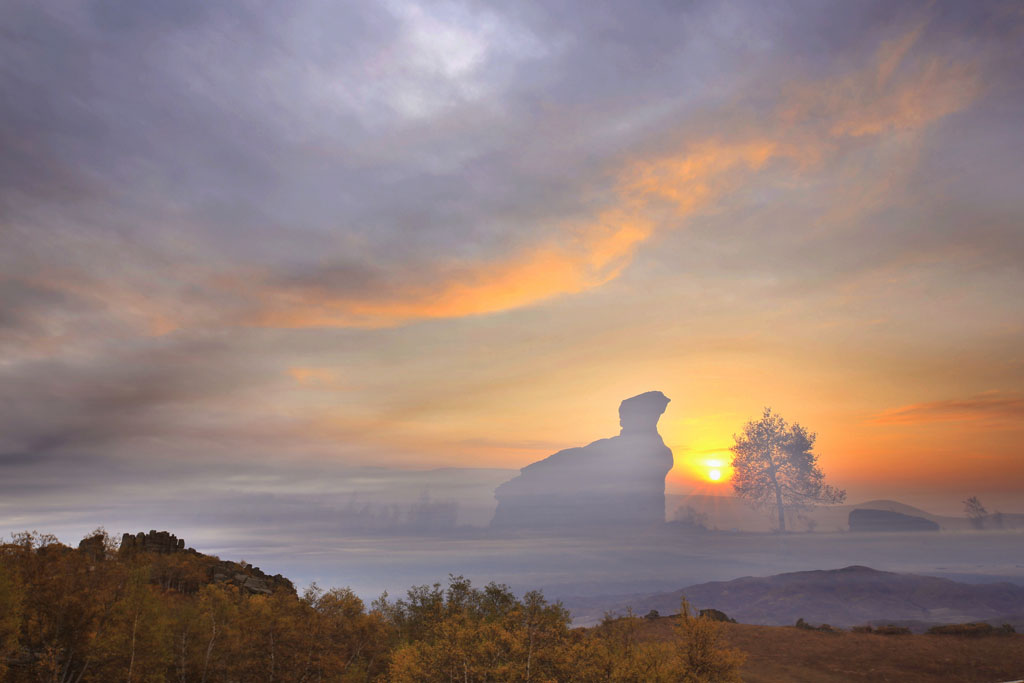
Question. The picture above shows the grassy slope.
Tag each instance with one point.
(783, 653)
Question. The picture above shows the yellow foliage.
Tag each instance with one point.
(72, 615)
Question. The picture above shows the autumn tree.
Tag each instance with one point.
(616, 651)
(468, 634)
(67, 602)
(10, 612)
(703, 651)
(134, 643)
(776, 468)
(91, 615)
(621, 650)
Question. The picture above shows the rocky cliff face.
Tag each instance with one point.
(616, 481)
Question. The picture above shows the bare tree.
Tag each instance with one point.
(975, 511)
(777, 469)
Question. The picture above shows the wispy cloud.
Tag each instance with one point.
(988, 407)
(580, 257)
(896, 92)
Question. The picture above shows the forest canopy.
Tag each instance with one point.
(103, 612)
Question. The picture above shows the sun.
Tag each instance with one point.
(711, 468)
(715, 470)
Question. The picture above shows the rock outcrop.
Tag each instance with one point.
(612, 482)
(241, 574)
(866, 519)
(94, 547)
(162, 542)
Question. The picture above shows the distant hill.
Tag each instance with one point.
(841, 597)
(728, 512)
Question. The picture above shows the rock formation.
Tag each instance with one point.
(94, 547)
(616, 481)
(240, 574)
(155, 541)
(867, 519)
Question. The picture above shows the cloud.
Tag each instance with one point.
(310, 376)
(894, 93)
(581, 257)
(984, 408)
(208, 248)
(249, 209)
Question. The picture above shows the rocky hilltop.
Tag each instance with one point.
(615, 481)
(245, 576)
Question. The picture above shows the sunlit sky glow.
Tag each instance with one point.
(418, 235)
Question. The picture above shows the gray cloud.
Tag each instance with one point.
(168, 167)
(280, 140)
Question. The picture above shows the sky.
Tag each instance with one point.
(254, 249)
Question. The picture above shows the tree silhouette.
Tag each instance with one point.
(776, 468)
(975, 511)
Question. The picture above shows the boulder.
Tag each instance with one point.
(616, 481)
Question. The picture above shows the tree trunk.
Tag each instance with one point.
(778, 504)
(209, 650)
(773, 473)
(131, 662)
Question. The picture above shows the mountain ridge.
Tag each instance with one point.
(846, 597)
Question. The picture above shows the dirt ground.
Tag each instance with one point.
(781, 653)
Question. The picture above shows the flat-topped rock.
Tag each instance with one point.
(154, 542)
(616, 481)
(866, 519)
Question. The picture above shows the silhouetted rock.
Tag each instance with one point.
(616, 481)
(886, 520)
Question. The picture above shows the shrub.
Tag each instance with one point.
(970, 629)
(891, 630)
(716, 615)
(824, 628)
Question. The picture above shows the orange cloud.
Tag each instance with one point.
(583, 257)
(314, 376)
(988, 407)
(893, 93)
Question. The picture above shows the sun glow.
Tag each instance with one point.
(715, 470)
(701, 468)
